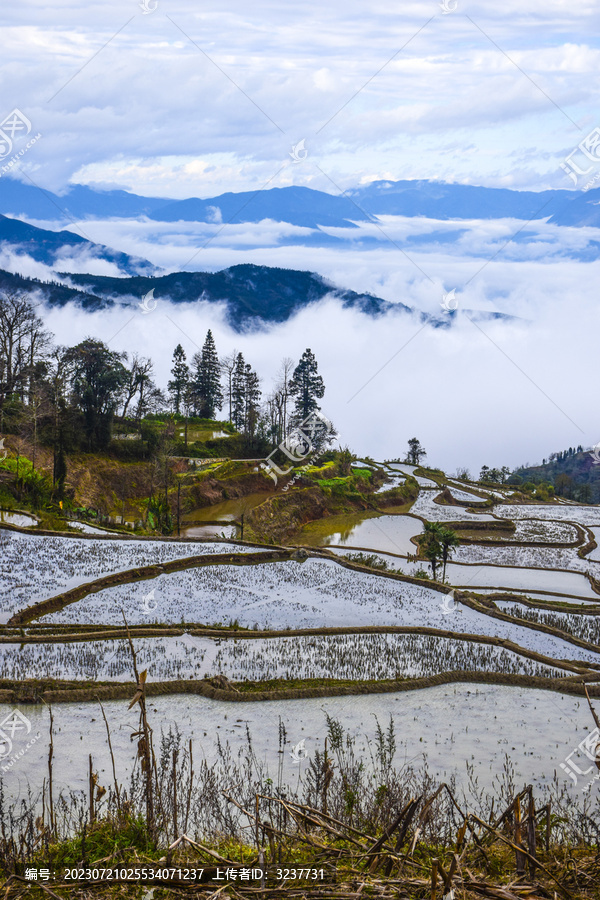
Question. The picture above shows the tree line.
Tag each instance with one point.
(211, 383)
(68, 397)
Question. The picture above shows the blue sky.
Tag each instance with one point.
(196, 99)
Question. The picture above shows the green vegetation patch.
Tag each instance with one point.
(362, 474)
(29, 483)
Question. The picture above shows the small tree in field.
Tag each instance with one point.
(416, 452)
(449, 541)
(431, 545)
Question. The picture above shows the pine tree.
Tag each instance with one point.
(206, 390)
(252, 398)
(238, 393)
(181, 376)
(306, 385)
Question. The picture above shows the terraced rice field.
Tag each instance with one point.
(425, 507)
(33, 568)
(528, 557)
(355, 657)
(313, 590)
(388, 533)
(445, 728)
(314, 593)
(489, 576)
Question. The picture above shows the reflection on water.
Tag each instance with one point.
(202, 532)
(372, 531)
(19, 519)
(226, 511)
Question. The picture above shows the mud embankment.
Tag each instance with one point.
(70, 692)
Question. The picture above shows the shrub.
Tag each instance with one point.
(29, 482)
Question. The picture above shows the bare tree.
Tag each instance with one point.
(284, 376)
(140, 368)
(274, 410)
(150, 400)
(23, 343)
(227, 364)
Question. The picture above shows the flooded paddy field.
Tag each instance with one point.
(487, 576)
(377, 532)
(225, 511)
(312, 594)
(595, 553)
(527, 557)
(34, 567)
(446, 728)
(21, 520)
(352, 657)
(405, 469)
(425, 507)
(568, 512)
(208, 532)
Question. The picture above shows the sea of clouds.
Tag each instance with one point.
(501, 391)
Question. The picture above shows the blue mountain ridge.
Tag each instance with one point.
(309, 208)
(49, 246)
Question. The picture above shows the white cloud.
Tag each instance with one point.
(355, 263)
(80, 260)
(139, 104)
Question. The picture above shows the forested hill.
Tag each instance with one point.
(253, 295)
(574, 473)
(53, 293)
(250, 292)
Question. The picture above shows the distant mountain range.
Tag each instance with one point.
(437, 200)
(252, 294)
(309, 208)
(53, 247)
